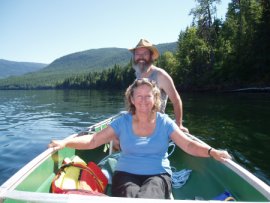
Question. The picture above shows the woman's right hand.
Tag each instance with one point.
(57, 144)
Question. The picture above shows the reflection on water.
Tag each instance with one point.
(30, 119)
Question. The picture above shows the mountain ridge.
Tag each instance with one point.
(13, 68)
(75, 64)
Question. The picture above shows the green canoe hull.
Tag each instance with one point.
(208, 179)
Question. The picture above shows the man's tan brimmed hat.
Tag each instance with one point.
(146, 44)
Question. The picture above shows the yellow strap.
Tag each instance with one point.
(89, 170)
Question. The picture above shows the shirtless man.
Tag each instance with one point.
(144, 54)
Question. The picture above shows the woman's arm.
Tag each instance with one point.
(196, 148)
(86, 141)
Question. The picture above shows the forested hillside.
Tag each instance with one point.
(12, 68)
(76, 64)
(90, 60)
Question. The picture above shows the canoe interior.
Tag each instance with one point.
(207, 180)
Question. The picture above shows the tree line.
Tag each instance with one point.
(117, 77)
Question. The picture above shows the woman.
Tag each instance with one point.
(143, 169)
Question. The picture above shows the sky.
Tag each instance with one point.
(44, 30)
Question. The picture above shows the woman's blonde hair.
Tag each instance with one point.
(137, 83)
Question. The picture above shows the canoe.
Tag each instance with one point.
(208, 178)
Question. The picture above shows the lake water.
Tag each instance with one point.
(238, 122)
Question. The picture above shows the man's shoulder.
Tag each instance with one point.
(162, 76)
(160, 71)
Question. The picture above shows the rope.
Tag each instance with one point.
(171, 144)
(179, 178)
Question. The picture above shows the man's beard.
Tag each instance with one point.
(141, 66)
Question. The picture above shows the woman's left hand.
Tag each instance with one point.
(220, 155)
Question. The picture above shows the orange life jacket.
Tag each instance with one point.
(75, 176)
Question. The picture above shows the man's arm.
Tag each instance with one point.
(166, 83)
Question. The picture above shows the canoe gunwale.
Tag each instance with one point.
(262, 187)
(26, 170)
(19, 176)
(64, 198)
